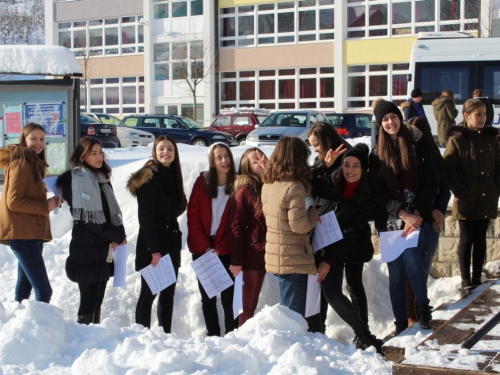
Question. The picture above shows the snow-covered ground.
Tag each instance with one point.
(38, 338)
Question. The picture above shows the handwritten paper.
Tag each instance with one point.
(326, 232)
(238, 295)
(56, 157)
(120, 264)
(313, 296)
(211, 273)
(161, 276)
(50, 182)
(392, 244)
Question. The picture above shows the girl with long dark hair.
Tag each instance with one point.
(159, 189)
(24, 211)
(97, 225)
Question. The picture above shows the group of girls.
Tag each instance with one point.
(257, 219)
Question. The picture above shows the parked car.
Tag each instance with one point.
(351, 125)
(282, 123)
(239, 122)
(128, 137)
(106, 133)
(181, 129)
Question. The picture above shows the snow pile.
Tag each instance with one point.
(33, 59)
(39, 338)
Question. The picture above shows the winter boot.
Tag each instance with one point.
(97, 317)
(425, 315)
(365, 339)
(400, 327)
(465, 288)
(475, 282)
(85, 318)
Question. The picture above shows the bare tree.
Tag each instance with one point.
(85, 52)
(485, 12)
(22, 22)
(191, 64)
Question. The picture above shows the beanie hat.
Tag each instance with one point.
(384, 108)
(359, 151)
(416, 92)
(211, 147)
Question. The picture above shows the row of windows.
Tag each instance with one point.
(111, 36)
(187, 57)
(312, 87)
(114, 95)
(175, 9)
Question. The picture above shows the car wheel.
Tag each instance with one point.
(200, 142)
(242, 141)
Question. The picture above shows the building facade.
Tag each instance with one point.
(325, 54)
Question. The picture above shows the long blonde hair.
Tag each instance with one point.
(448, 94)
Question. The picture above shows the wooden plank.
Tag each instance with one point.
(494, 361)
(407, 369)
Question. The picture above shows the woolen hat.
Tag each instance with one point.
(359, 151)
(212, 146)
(384, 108)
(416, 92)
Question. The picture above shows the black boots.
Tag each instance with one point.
(400, 327)
(468, 285)
(365, 339)
(97, 317)
(425, 316)
(85, 319)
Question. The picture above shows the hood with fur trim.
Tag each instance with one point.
(139, 178)
(10, 154)
(462, 130)
(405, 105)
(439, 103)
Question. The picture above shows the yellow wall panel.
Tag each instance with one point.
(378, 51)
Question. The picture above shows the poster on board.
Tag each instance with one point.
(49, 115)
(56, 156)
(13, 119)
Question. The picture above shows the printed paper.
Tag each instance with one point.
(211, 273)
(161, 276)
(313, 299)
(326, 232)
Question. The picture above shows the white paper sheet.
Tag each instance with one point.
(326, 232)
(313, 299)
(392, 244)
(211, 273)
(161, 276)
(238, 295)
(120, 264)
(51, 185)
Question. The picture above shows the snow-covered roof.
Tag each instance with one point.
(40, 60)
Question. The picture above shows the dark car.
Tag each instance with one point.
(351, 125)
(181, 129)
(239, 122)
(105, 133)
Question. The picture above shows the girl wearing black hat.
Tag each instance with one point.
(403, 186)
(348, 196)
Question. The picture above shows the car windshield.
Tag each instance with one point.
(88, 119)
(191, 124)
(295, 119)
(108, 119)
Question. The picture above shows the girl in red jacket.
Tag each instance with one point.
(248, 230)
(208, 219)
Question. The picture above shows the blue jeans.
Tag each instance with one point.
(31, 272)
(293, 290)
(408, 263)
(427, 243)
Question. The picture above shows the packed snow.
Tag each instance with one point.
(37, 338)
(37, 59)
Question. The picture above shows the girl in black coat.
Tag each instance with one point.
(160, 196)
(97, 225)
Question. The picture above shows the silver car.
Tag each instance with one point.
(129, 137)
(282, 123)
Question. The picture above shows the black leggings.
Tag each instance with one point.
(355, 311)
(91, 297)
(472, 241)
(165, 306)
(209, 305)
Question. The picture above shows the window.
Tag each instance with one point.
(161, 72)
(161, 52)
(179, 9)
(450, 10)
(241, 120)
(401, 13)
(196, 7)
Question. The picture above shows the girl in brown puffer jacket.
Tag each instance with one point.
(445, 113)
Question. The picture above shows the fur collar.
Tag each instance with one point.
(462, 130)
(10, 154)
(405, 105)
(142, 176)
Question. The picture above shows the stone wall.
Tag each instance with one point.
(445, 263)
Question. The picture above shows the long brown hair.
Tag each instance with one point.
(328, 137)
(255, 184)
(289, 162)
(470, 106)
(175, 167)
(421, 124)
(82, 150)
(448, 94)
(389, 151)
(25, 131)
(211, 183)
(361, 194)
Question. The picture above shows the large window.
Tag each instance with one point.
(283, 22)
(177, 8)
(110, 36)
(180, 59)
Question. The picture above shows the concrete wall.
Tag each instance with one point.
(90, 9)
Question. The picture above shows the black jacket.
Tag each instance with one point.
(158, 209)
(89, 246)
(384, 193)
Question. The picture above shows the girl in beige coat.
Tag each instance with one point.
(288, 252)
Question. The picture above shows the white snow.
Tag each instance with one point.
(37, 338)
(38, 59)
